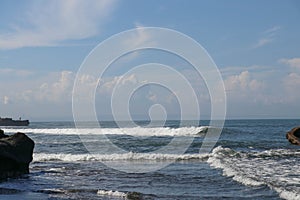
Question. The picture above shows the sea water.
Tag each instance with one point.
(251, 160)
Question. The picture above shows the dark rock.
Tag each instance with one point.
(203, 130)
(15, 154)
(294, 136)
(2, 135)
(9, 191)
(134, 196)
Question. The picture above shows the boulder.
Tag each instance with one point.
(293, 136)
(2, 135)
(15, 154)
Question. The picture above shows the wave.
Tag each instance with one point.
(67, 193)
(111, 193)
(274, 168)
(136, 131)
(130, 156)
(121, 195)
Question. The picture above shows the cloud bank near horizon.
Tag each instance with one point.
(247, 88)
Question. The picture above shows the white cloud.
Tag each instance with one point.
(293, 81)
(263, 41)
(62, 88)
(152, 97)
(56, 90)
(107, 85)
(261, 91)
(272, 30)
(250, 90)
(51, 22)
(253, 69)
(5, 72)
(293, 62)
(138, 37)
(291, 85)
(268, 37)
(243, 82)
(6, 100)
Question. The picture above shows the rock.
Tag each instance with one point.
(2, 135)
(203, 129)
(15, 154)
(134, 196)
(294, 136)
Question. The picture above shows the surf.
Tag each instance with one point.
(130, 156)
(273, 168)
(135, 131)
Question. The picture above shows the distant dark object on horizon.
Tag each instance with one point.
(294, 136)
(11, 122)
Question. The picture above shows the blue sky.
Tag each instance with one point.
(255, 45)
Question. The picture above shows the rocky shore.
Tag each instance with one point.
(15, 154)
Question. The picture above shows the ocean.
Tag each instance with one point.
(251, 160)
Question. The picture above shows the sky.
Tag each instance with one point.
(254, 44)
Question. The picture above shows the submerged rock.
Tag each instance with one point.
(294, 136)
(134, 196)
(15, 154)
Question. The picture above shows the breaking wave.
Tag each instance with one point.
(277, 168)
(39, 157)
(112, 193)
(136, 131)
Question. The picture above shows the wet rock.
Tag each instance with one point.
(15, 154)
(293, 136)
(134, 196)
(2, 135)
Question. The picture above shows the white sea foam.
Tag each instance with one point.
(136, 131)
(112, 193)
(275, 168)
(38, 157)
